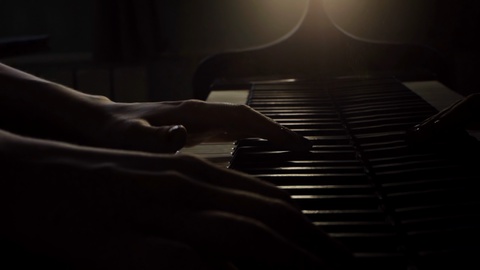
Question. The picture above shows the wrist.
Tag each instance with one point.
(44, 109)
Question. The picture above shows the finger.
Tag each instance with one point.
(435, 117)
(281, 217)
(133, 163)
(242, 121)
(277, 214)
(461, 114)
(239, 121)
(243, 240)
(445, 114)
(222, 177)
(129, 251)
(140, 135)
(172, 188)
(154, 253)
(164, 195)
(447, 120)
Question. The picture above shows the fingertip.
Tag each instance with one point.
(168, 139)
(304, 144)
(417, 135)
(177, 137)
(296, 142)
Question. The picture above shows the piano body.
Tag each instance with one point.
(395, 205)
(317, 48)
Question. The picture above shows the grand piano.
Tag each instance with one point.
(395, 204)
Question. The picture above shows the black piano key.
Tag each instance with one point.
(382, 144)
(386, 151)
(421, 173)
(302, 170)
(361, 119)
(311, 179)
(315, 147)
(381, 261)
(416, 158)
(321, 139)
(372, 108)
(278, 112)
(283, 88)
(374, 215)
(246, 164)
(342, 153)
(380, 136)
(369, 242)
(245, 154)
(354, 226)
(432, 197)
(322, 120)
(437, 210)
(439, 182)
(406, 119)
(329, 116)
(379, 111)
(465, 257)
(314, 131)
(386, 127)
(362, 201)
(295, 102)
(314, 124)
(443, 222)
(453, 238)
(393, 100)
(328, 189)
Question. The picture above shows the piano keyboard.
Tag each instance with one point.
(394, 205)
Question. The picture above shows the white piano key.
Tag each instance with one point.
(219, 153)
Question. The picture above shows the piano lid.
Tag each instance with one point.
(318, 48)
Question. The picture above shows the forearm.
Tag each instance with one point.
(20, 149)
(26, 100)
(18, 85)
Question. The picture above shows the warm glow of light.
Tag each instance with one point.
(275, 81)
(395, 21)
(218, 25)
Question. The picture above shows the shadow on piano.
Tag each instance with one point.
(396, 206)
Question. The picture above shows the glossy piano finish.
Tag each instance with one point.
(317, 48)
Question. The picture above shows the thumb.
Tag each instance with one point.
(144, 137)
(176, 137)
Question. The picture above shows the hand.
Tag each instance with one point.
(42, 109)
(449, 123)
(107, 208)
(168, 126)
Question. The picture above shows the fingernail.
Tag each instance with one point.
(177, 136)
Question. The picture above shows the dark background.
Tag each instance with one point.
(188, 31)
